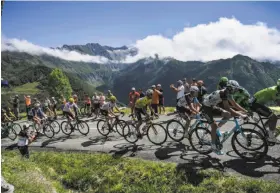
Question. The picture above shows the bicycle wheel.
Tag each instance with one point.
(12, 134)
(175, 130)
(119, 127)
(66, 128)
(103, 127)
(256, 127)
(258, 149)
(48, 130)
(16, 127)
(203, 136)
(56, 126)
(156, 134)
(83, 127)
(130, 133)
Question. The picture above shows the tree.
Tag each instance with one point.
(58, 84)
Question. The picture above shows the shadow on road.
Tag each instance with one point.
(193, 165)
(249, 168)
(124, 148)
(100, 140)
(56, 140)
(165, 152)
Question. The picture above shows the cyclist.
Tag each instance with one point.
(210, 107)
(242, 97)
(37, 114)
(70, 109)
(258, 105)
(4, 116)
(186, 106)
(223, 83)
(140, 108)
(107, 109)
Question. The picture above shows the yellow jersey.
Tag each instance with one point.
(142, 102)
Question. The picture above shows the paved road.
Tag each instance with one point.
(171, 151)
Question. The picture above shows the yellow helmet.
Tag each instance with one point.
(71, 100)
(113, 98)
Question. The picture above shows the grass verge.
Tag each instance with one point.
(92, 172)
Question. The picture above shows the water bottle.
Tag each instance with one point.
(218, 133)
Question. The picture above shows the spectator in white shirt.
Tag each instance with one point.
(180, 90)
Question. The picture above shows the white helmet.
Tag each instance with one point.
(149, 92)
(194, 89)
(233, 85)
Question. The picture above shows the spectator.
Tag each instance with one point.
(161, 99)
(75, 97)
(23, 142)
(96, 102)
(87, 103)
(142, 94)
(179, 90)
(194, 83)
(202, 90)
(102, 99)
(53, 106)
(155, 99)
(186, 85)
(27, 103)
(16, 106)
(133, 96)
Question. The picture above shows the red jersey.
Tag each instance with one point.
(133, 96)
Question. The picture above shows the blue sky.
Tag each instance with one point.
(121, 23)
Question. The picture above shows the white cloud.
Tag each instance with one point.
(222, 39)
(25, 46)
(204, 42)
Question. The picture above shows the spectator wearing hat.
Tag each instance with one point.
(133, 97)
(180, 90)
(186, 85)
(155, 99)
(161, 99)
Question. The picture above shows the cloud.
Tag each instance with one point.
(221, 39)
(25, 46)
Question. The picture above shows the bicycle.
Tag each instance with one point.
(48, 130)
(264, 126)
(236, 131)
(104, 127)
(54, 124)
(9, 130)
(68, 128)
(177, 133)
(148, 129)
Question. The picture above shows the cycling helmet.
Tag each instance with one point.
(149, 92)
(233, 85)
(194, 89)
(71, 100)
(113, 98)
(37, 105)
(224, 79)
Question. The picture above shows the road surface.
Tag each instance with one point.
(170, 151)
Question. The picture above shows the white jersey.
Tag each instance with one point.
(67, 107)
(216, 97)
(96, 99)
(107, 106)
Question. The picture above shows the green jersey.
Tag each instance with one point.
(267, 95)
(241, 96)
